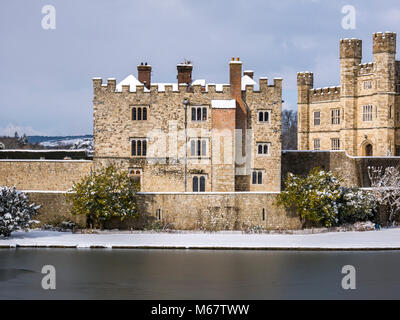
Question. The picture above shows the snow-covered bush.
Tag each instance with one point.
(108, 193)
(319, 197)
(385, 185)
(16, 212)
(356, 205)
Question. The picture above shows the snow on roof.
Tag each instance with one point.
(246, 80)
(201, 82)
(130, 81)
(223, 104)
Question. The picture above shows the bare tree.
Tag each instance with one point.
(289, 130)
(385, 184)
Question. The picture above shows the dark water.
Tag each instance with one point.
(197, 274)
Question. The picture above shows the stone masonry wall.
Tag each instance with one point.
(55, 175)
(187, 210)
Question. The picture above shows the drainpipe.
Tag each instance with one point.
(185, 103)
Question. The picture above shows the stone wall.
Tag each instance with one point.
(53, 175)
(352, 170)
(54, 209)
(238, 210)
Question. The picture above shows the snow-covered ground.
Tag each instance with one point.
(384, 239)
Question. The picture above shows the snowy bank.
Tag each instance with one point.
(388, 239)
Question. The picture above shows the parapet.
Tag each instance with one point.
(384, 42)
(365, 68)
(350, 48)
(305, 79)
(325, 94)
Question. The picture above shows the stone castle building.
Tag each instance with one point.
(362, 115)
(232, 132)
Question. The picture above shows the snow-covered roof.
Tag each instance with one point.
(223, 104)
(246, 80)
(132, 82)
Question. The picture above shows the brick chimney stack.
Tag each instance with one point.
(249, 73)
(144, 74)
(235, 78)
(184, 73)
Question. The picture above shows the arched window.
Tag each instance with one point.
(193, 148)
(204, 114)
(144, 113)
(254, 178)
(133, 113)
(203, 147)
(260, 149)
(139, 114)
(259, 177)
(139, 148)
(133, 147)
(368, 150)
(266, 116)
(144, 148)
(265, 148)
(193, 114)
(195, 184)
(198, 114)
(260, 116)
(202, 184)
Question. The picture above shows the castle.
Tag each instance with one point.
(362, 115)
(213, 151)
(232, 132)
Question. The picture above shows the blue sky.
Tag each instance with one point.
(45, 75)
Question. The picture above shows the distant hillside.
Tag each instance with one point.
(40, 139)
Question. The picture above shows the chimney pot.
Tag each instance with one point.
(184, 73)
(144, 74)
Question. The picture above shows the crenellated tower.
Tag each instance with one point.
(305, 82)
(350, 59)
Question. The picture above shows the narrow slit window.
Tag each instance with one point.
(139, 114)
(144, 113)
(195, 184)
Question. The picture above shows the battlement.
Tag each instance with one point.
(350, 48)
(365, 68)
(384, 42)
(325, 94)
(305, 79)
(162, 88)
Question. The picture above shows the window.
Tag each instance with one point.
(256, 177)
(158, 214)
(367, 113)
(263, 148)
(390, 112)
(139, 147)
(199, 183)
(367, 85)
(263, 116)
(139, 113)
(335, 144)
(397, 151)
(317, 118)
(335, 116)
(199, 113)
(198, 147)
(317, 144)
(263, 214)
